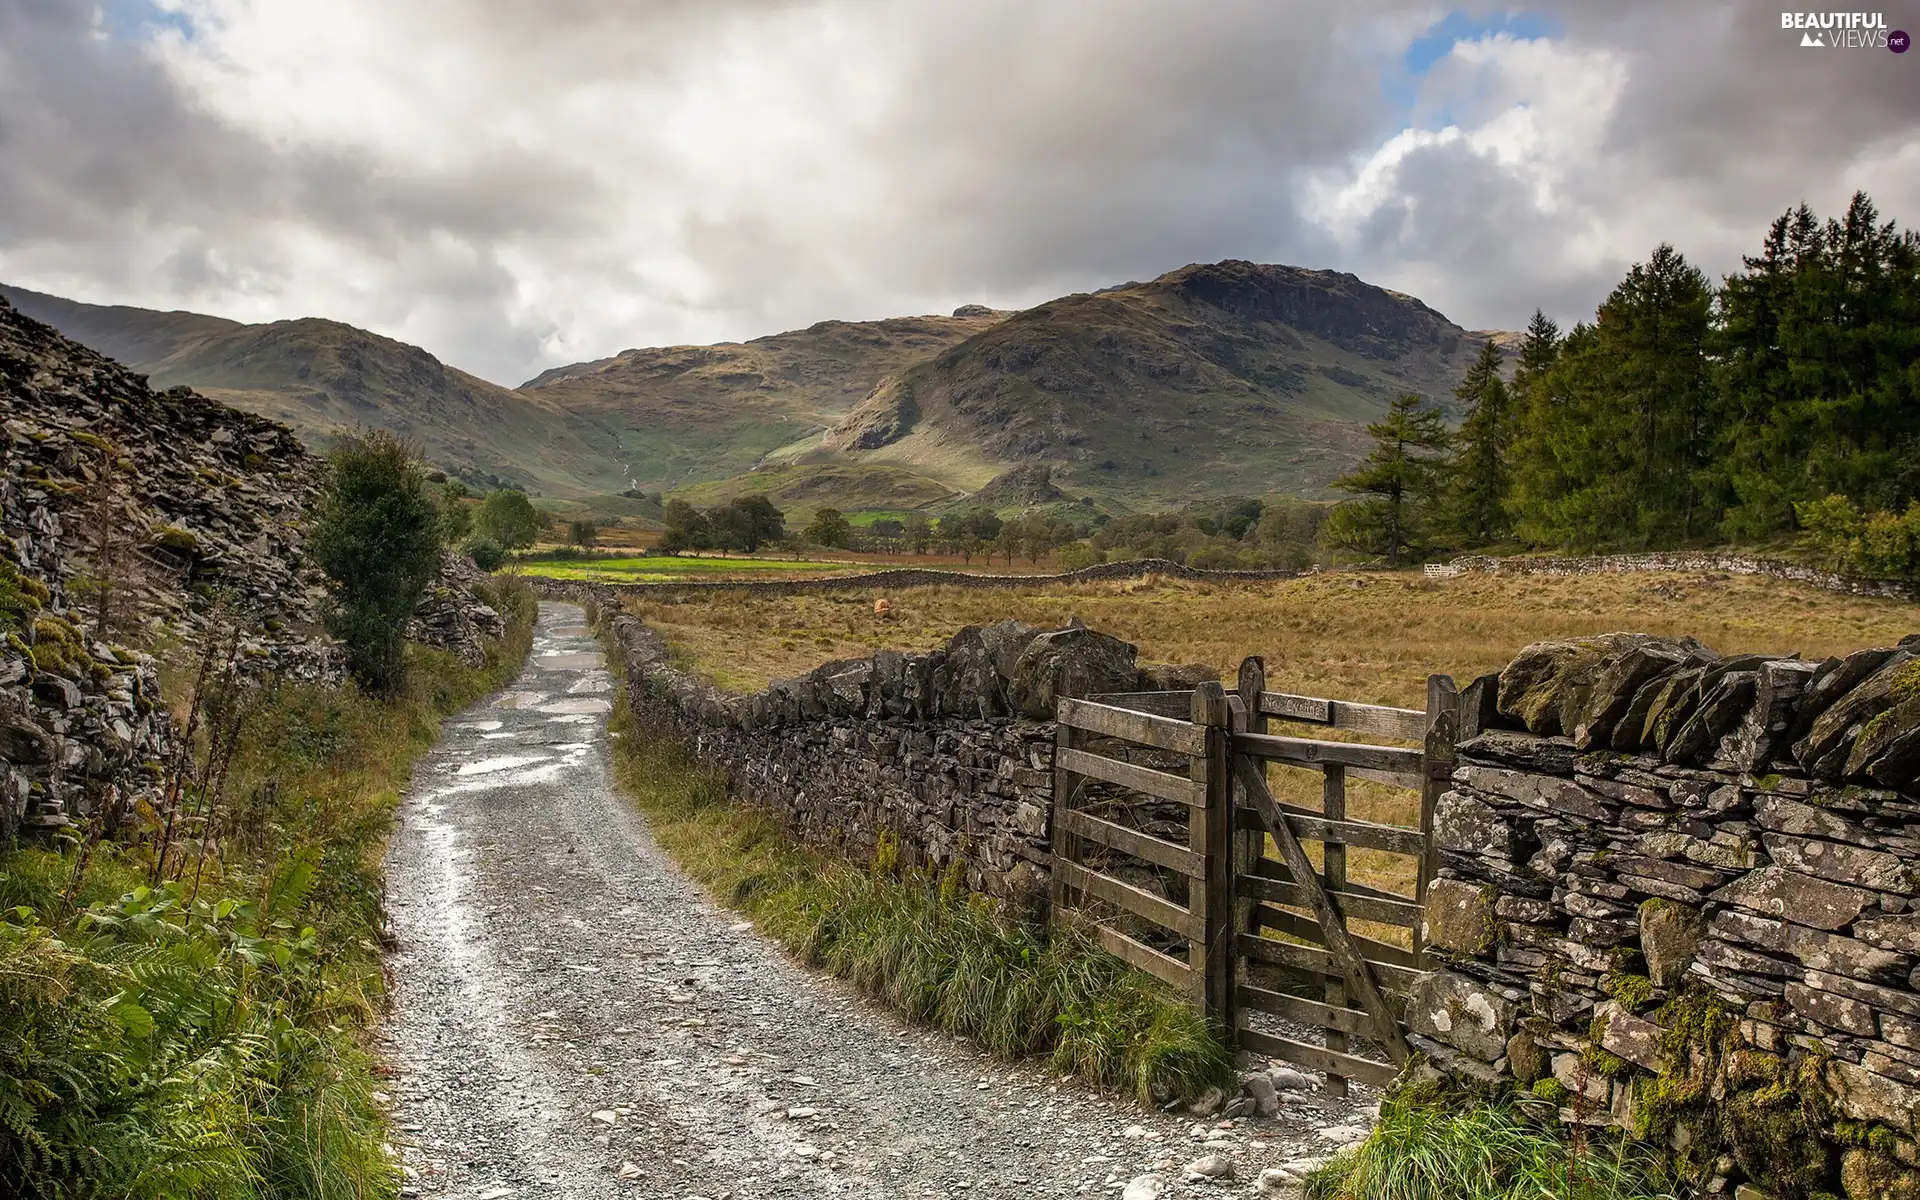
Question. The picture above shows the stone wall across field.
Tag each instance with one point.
(1680, 894)
(1709, 561)
(949, 751)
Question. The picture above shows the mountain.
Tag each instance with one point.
(691, 415)
(324, 378)
(1230, 377)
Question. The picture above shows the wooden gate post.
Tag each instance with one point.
(1248, 842)
(1436, 769)
(1210, 835)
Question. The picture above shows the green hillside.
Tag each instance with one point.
(324, 378)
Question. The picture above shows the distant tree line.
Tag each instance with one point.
(1786, 401)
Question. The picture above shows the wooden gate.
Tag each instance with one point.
(1265, 939)
(1139, 813)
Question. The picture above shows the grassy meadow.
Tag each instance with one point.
(1366, 636)
(669, 568)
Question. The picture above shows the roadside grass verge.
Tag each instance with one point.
(191, 1024)
(1424, 1149)
(918, 941)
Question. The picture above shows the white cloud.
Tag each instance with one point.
(515, 185)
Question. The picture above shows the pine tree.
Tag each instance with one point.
(1619, 428)
(1395, 485)
(1481, 470)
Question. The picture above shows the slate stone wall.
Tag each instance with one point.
(1680, 894)
(1706, 561)
(950, 752)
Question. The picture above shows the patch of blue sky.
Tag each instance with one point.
(1401, 81)
(141, 20)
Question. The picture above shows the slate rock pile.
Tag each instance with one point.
(129, 517)
(126, 513)
(1680, 893)
(451, 615)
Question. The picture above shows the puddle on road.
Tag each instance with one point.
(519, 699)
(480, 725)
(488, 766)
(591, 684)
(578, 661)
(572, 631)
(492, 736)
(579, 720)
(577, 706)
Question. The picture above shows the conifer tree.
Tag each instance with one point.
(1481, 469)
(1395, 485)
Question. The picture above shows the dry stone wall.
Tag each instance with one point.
(1701, 561)
(1679, 893)
(950, 752)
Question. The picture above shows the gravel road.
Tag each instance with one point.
(574, 1018)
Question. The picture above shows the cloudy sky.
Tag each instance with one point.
(516, 184)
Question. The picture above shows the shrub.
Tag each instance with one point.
(485, 553)
(376, 533)
(509, 518)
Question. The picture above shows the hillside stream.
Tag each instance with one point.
(572, 1017)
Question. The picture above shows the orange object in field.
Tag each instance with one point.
(883, 607)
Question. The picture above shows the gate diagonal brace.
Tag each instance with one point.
(1338, 943)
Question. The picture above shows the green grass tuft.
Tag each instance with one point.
(1431, 1151)
(919, 942)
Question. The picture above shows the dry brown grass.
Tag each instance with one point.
(1370, 637)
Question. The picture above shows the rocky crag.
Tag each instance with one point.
(132, 519)
(1680, 894)
(128, 517)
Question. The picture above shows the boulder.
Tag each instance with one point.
(1668, 707)
(1843, 863)
(1868, 1174)
(1005, 641)
(1751, 744)
(972, 686)
(1547, 685)
(23, 742)
(1778, 892)
(1464, 823)
(1636, 1040)
(1888, 748)
(1724, 701)
(1064, 661)
(1463, 1013)
(1836, 678)
(1459, 916)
